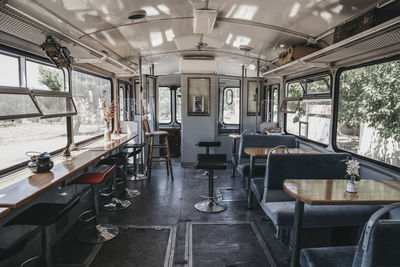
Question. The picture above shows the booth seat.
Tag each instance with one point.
(378, 245)
(275, 203)
(251, 140)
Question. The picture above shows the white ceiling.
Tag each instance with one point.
(167, 32)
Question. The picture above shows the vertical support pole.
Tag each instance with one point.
(46, 245)
(241, 101)
(140, 122)
(70, 127)
(211, 185)
(258, 100)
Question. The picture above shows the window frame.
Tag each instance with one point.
(176, 107)
(223, 100)
(336, 111)
(20, 91)
(327, 96)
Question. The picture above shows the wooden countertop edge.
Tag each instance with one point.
(41, 190)
(4, 212)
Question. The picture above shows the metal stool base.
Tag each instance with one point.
(117, 204)
(204, 176)
(131, 193)
(98, 234)
(138, 177)
(210, 206)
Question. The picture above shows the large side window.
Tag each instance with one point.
(44, 77)
(368, 121)
(87, 91)
(178, 105)
(164, 105)
(308, 109)
(229, 106)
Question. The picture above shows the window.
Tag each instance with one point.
(137, 97)
(178, 105)
(164, 105)
(368, 121)
(44, 77)
(87, 90)
(30, 134)
(229, 106)
(308, 108)
(9, 69)
(275, 102)
(252, 97)
(199, 96)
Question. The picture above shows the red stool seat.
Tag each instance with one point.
(94, 177)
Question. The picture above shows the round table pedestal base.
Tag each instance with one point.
(131, 193)
(98, 234)
(117, 204)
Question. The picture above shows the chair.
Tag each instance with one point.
(166, 158)
(98, 233)
(137, 148)
(378, 246)
(44, 215)
(210, 162)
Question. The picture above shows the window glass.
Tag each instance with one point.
(178, 102)
(87, 91)
(9, 70)
(199, 96)
(53, 105)
(253, 94)
(122, 99)
(164, 105)
(137, 97)
(369, 112)
(275, 103)
(31, 134)
(294, 90)
(318, 86)
(311, 120)
(17, 104)
(44, 77)
(231, 110)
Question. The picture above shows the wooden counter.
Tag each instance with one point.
(333, 192)
(260, 152)
(108, 146)
(20, 187)
(4, 212)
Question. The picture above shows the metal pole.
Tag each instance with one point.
(258, 97)
(141, 115)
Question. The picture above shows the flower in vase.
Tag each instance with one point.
(353, 169)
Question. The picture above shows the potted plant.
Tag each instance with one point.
(353, 175)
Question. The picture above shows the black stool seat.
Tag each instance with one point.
(6, 253)
(209, 144)
(211, 161)
(117, 159)
(44, 213)
(135, 146)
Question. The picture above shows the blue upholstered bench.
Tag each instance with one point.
(277, 205)
(378, 246)
(251, 140)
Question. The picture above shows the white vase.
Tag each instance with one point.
(352, 186)
(107, 135)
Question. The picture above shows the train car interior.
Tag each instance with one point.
(199, 133)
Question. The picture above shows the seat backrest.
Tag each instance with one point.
(303, 166)
(253, 140)
(379, 243)
(146, 124)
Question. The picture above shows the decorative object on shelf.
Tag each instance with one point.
(353, 175)
(109, 114)
(58, 54)
(40, 162)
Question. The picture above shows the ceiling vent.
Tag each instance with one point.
(198, 57)
(245, 48)
(204, 20)
(199, 66)
(141, 14)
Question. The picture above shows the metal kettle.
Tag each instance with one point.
(40, 162)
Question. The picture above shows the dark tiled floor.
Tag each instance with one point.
(171, 203)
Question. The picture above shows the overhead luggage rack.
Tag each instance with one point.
(386, 35)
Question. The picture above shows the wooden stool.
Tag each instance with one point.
(165, 146)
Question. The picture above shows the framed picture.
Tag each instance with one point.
(199, 96)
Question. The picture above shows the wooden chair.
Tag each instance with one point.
(165, 146)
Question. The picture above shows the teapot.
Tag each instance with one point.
(40, 162)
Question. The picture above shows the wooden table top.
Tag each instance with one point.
(234, 136)
(20, 187)
(264, 151)
(4, 212)
(108, 146)
(333, 192)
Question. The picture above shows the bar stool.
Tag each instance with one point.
(44, 215)
(207, 145)
(165, 146)
(119, 161)
(137, 148)
(100, 232)
(210, 162)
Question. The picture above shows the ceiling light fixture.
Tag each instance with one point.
(204, 20)
(141, 14)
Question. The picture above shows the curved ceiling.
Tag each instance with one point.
(167, 31)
